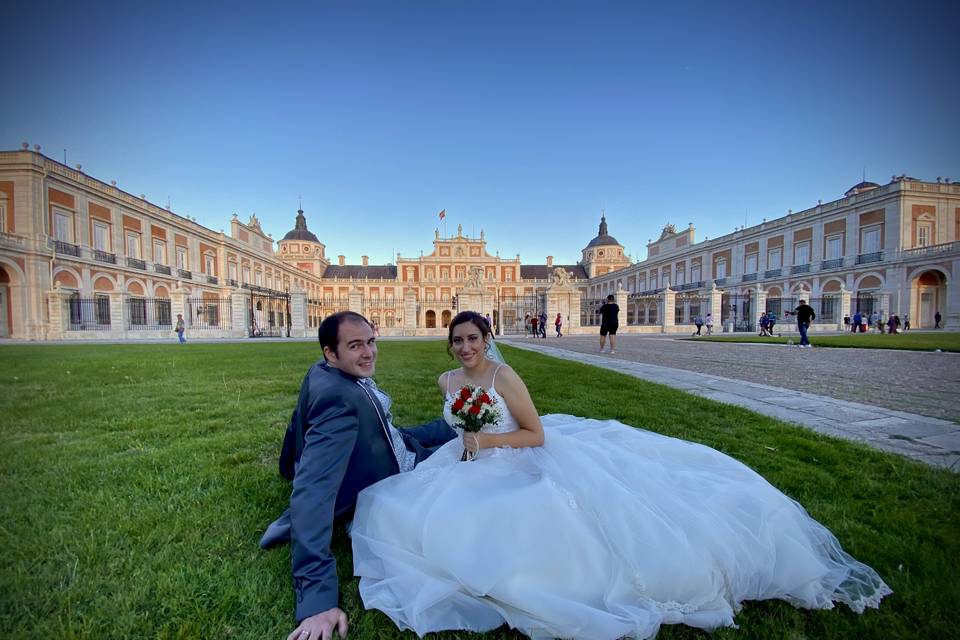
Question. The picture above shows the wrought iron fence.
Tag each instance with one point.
(320, 308)
(590, 311)
(864, 303)
(88, 314)
(144, 314)
(386, 313)
(514, 313)
(738, 310)
(644, 309)
(827, 309)
(208, 313)
(779, 306)
(686, 308)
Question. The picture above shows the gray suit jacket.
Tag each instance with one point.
(341, 446)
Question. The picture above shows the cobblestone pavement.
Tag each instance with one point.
(926, 383)
(899, 401)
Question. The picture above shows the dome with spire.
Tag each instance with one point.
(300, 231)
(603, 237)
(861, 187)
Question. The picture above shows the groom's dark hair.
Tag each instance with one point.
(329, 332)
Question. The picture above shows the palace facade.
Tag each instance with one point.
(82, 259)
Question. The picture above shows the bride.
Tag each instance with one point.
(578, 528)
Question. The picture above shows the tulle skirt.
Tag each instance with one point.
(605, 531)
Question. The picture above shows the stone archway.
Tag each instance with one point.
(13, 301)
(431, 319)
(930, 296)
(445, 318)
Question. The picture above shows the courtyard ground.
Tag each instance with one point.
(135, 481)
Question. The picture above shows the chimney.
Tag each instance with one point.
(366, 260)
(549, 261)
(342, 260)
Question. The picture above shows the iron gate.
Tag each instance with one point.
(512, 312)
(269, 313)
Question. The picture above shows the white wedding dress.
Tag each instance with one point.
(606, 531)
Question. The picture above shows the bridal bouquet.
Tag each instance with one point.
(472, 409)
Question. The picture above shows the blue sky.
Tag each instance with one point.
(524, 119)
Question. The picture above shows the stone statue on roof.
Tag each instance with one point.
(668, 230)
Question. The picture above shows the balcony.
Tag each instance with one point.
(161, 268)
(66, 248)
(233, 283)
(213, 280)
(104, 256)
(772, 273)
(11, 240)
(922, 252)
(689, 286)
(136, 263)
(721, 282)
(800, 268)
(831, 264)
(184, 274)
(867, 258)
(749, 277)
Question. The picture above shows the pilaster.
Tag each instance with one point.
(668, 318)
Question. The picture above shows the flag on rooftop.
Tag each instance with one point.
(443, 214)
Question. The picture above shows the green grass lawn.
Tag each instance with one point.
(911, 341)
(136, 481)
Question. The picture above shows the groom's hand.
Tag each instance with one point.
(321, 626)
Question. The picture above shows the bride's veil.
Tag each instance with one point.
(493, 352)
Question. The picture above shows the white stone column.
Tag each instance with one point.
(298, 314)
(118, 314)
(355, 300)
(668, 320)
(239, 316)
(845, 306)
(410, 319)
(178, 305)
(56, 310)
(715, 306)
(761, 297)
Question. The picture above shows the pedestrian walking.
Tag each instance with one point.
(609, 321)
(804, 314)
(180, 328)
(708, 323)
(936, 320)
(771, 322)
(558, 323)
(534, 322)
(906, 322)
(699, 322)
(543, 324)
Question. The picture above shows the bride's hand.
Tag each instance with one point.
(471, 441)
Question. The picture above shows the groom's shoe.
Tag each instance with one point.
(277, 533)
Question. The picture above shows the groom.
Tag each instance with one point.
(340, 440)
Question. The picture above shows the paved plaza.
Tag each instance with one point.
(899, 401)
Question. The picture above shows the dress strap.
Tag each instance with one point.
(493, 380)
(449, 375)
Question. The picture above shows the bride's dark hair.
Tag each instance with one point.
(468, 316)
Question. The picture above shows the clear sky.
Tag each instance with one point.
(524, 119)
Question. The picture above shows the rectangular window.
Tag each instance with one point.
(834, 247)
(246, 275)
(695, 273)
(63, 226)
(160, 252)
(924, 231)
(269, 281)
(101, 236)
(181, 258)
(721, 268)
(870, 240)
(664, 278)
(259, 278)
(679, 277)
(101, 309)
(801, 253)
(3, 218)
(750, 263)
(232, 270)
(133, 244)
(775, 258)
(208, 265)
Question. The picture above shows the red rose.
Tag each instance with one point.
(465, 393)
(485, 399)
(457, 405)
(474, 410)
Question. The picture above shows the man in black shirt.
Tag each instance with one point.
(609, 322)
(805, 315)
